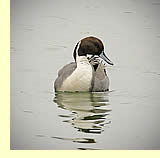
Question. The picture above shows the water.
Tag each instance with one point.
(43, 36)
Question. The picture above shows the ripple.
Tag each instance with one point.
(128, 12)
(39, 135)
(156, 3)
(77, 140)
(27, 111)
(89, 112)
(88, 149)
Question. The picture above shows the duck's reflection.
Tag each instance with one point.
(89, 111)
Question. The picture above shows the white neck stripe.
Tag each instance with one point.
(78, 47)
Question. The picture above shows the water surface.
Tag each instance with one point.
(43, 36)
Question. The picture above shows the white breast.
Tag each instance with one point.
(80, 79)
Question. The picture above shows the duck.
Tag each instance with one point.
(85, 74)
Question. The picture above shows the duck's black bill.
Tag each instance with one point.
(105, 58)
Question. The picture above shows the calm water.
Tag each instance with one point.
(43, 36)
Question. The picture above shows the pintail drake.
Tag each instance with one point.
(86, 74)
